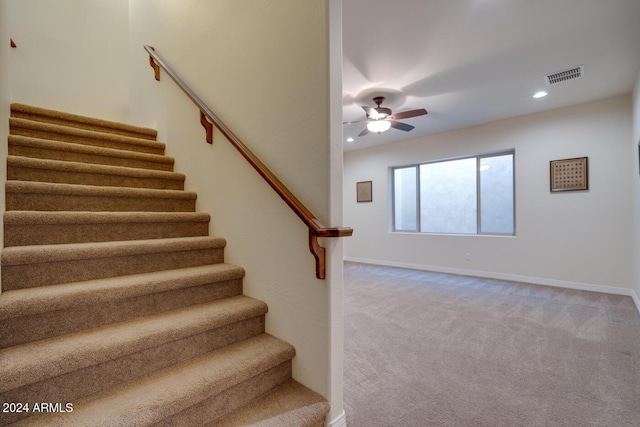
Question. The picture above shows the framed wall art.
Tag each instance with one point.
(570, 174)
(364, 191)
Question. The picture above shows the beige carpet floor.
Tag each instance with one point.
(429, 349)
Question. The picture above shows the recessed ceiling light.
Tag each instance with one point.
(540, 94)
(350, 139)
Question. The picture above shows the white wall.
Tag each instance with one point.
(5, 100)
(568, 239)
(635, 193)
(335, 260)
(263, 67)
(71, 55)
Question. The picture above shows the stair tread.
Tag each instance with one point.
(30, 301)
(152, 340)
(15, 122)
(87, 149)
(78, 167)
(33, 110)
(27, 227)
(33, 362)
(83, 217)
(175, 389)
(13, 186)
(289, 404)
(22, 255)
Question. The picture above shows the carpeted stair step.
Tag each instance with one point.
(85, 137)
(289, 404)
(38, 114)
(115, 299)
(44, 196)
(65, 369)
(204, 389)
(54, 171)
(23, 228)
(46, 265)
(33, 314)
(45, 149)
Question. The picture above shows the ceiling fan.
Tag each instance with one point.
(380, 119)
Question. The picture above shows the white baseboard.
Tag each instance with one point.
(339, 421)
(506, 276)
(636, 299)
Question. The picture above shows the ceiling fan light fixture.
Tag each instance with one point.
(378, 126)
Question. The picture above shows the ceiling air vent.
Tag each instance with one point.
(565, 75)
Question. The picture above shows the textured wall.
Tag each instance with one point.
(5, 99)
(71, 55)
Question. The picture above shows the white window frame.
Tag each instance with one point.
(478, 158)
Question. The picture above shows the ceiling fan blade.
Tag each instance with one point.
(409, 114)
(364, 132)
(355, 121)
(371, 112)
(401, 126)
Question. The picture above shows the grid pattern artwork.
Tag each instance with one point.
(570, 174)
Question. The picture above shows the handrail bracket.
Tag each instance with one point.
(208, 126)
(318, 253)
(154, 65)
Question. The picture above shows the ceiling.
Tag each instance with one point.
(469, 62)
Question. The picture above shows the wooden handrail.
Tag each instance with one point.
(316, 228)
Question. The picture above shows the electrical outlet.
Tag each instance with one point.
(467, 256)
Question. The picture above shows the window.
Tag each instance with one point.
(471, 195)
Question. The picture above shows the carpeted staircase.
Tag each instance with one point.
(114, 298)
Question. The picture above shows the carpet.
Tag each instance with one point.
(117, 307)
(429, 349)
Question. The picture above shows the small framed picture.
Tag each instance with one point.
(570, 174)
(363, 191)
